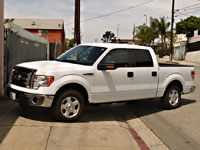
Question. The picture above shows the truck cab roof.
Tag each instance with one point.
(113, 45)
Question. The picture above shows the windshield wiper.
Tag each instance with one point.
(56, 59)
(74, 62)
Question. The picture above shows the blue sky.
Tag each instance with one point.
(94, 29)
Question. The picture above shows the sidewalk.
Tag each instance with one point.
(107, 127)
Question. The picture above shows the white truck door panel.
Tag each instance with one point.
(113, 85)
(144, 84)
(145, 74)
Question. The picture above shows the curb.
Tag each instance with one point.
(144, 136)
(151, 140)
(138, 139)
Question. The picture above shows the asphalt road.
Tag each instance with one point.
(179, 129)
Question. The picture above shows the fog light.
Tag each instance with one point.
(34, 100)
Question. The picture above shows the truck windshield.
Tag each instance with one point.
(85, 55)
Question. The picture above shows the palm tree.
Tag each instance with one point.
(154, 23)
(108, 37)
(144, 35)
(163, 27)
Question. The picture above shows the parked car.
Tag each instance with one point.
(99, 73)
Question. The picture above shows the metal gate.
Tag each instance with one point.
(22, 46)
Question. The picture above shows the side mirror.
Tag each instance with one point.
(106, 66)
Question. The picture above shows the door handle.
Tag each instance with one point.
(130, 74)
(154, 74)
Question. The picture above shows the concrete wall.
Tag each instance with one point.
(193, 56)
(1, 48)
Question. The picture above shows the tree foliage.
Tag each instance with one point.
(158, 28)
(154, 22)
(70, 43)
(144, 34)
(108, 37)
(163, 28)
(188, 26)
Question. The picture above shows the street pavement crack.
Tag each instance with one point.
(48, 137)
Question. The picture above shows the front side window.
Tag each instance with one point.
(85, 55)
(118, 56)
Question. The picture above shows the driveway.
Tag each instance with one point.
(106, 127)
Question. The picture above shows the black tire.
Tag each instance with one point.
(62, 107)
(171, 102)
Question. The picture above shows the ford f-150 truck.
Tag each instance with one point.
(99, 73)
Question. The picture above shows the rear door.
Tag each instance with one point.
(145, 78)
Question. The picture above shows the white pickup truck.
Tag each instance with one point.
(99, 73)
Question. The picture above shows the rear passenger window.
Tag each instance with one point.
(142, 58)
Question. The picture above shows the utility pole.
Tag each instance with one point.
(134, 34)
(77, 35)
(1, 47)
(118, 33)
(172, 31)
(146, 19)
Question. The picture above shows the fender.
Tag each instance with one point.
(88, 84)
(172, 77)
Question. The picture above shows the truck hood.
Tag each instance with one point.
(56, 67)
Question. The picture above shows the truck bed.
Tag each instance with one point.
(173, 65)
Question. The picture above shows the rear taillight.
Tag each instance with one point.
(193, 74)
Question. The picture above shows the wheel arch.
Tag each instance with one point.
(75, 86)
(175, 82)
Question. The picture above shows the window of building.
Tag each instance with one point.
(42, 32)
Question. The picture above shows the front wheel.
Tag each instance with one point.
(171, 98)
(68, 105)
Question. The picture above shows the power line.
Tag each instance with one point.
(115, 12)
(187, 14)
(194, 8)
(187, 7)
(181, 14)
(187, 10)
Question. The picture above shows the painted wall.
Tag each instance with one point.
(53, 35)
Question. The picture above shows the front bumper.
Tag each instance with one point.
(31, 99)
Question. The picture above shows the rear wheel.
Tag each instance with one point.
(171, 98)
(68, 105)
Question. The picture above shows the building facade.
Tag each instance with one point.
(53, 29)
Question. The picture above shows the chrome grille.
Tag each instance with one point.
(22, 77)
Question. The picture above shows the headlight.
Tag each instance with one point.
(42, 81)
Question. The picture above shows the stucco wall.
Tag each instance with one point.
(193, 56)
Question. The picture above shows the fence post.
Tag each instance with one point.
(48, 49)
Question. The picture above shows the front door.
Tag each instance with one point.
(114, 85)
